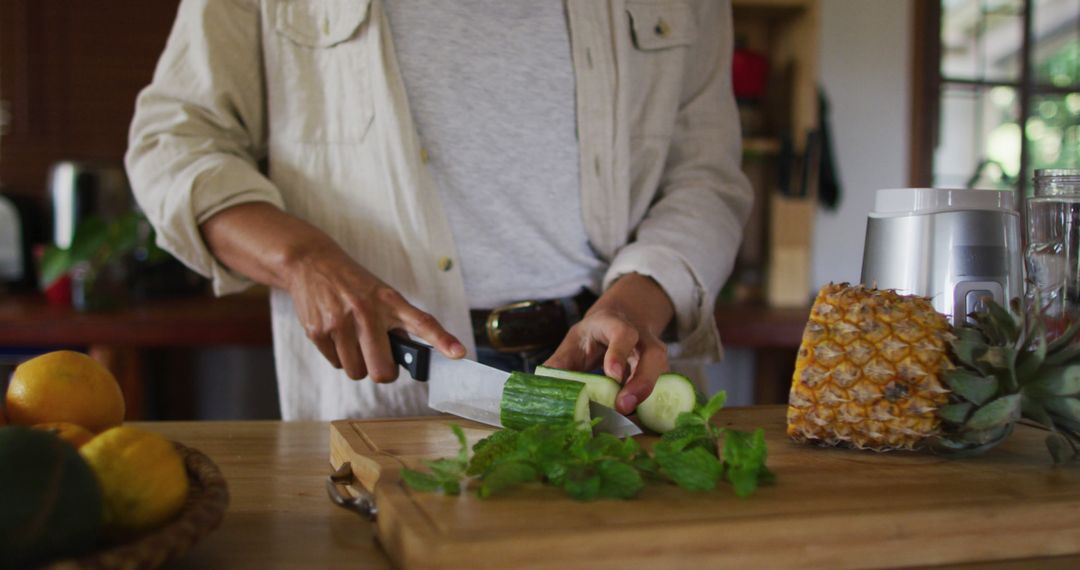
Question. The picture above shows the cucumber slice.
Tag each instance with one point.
(529, 399)
(673, 395)
(601, 389)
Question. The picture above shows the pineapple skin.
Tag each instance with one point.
(868, 372)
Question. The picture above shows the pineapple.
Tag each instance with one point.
(878, 370)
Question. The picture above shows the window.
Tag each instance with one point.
(997, 91)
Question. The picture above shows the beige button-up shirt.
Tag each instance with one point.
(300, 103)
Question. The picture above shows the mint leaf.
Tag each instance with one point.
(446, 469)
(463, 452)
(713, 406)
(421, 481)
(695, 435)
(744, 460)
(491, 449)
(688, 419)
(582, 486)
(693, 469)
(506, 475)
(618, 480)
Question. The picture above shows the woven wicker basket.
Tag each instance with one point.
(208, 497)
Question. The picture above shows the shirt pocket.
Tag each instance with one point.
(661, 24)
(324, 53)
(661, 31)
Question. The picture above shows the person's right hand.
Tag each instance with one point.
(347, 312)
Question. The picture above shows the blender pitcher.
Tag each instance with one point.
(1051, 259)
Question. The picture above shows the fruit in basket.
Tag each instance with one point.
(51, 499)
(65, 386)
(74, 434)
(142, 476)
(884, 371)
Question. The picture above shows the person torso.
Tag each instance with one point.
(491, 87)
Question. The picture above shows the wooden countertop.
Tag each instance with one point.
(279, 515)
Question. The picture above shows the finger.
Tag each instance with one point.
(652, 362)
(570, 354)
(622, 338)
(328, 350)
(422, 324)
(348, 351)
(375, 344)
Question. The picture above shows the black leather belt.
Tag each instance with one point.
(526, 326)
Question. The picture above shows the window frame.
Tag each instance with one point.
(927, 83)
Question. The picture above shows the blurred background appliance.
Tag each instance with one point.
(959, 247)
(79, 189)
(12, 245)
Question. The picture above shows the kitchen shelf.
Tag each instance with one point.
(27, 320)
(760, 326)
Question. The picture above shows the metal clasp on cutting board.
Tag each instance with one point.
(337, 486)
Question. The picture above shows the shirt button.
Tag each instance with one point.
(663, 28)
(445, 263)
(425, 157)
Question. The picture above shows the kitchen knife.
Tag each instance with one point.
(474, 391)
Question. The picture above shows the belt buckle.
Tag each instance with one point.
(491, 327)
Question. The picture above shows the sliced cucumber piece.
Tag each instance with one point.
(529, 399)
(601, 389)
(673, 395)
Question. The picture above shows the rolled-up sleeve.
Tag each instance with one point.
(688, 240)
(199, 131)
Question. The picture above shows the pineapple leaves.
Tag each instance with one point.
(969, 346)
(1029, 361)
(955, 413)
(1002, 411)
(1068, 408)
(1065, 339)
(1059, 448)
(1064, 381)
(970, 386)
(1063, 355)
(1033, 410)
(1002, 323)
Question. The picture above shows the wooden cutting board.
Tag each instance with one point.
(829, 508)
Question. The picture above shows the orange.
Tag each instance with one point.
(74, 434)
(142, 476)
(65, 386)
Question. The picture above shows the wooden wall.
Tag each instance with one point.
(69, 74)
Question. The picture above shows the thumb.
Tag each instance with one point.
(569, 355)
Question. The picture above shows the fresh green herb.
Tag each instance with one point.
(446, 474)
(589, 467)
(744, 460)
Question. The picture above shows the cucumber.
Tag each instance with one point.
(601, 389)
(673, 395)
(528, 399)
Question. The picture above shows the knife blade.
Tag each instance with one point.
(474, 391)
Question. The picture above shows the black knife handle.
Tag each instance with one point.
(412, 355)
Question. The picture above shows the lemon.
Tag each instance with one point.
(142, 477)
(65, 386)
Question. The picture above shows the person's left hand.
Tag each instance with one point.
(621, 333)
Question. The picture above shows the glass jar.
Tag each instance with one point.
(1053, 247)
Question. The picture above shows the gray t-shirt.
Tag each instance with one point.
(491, 87)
